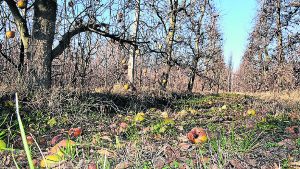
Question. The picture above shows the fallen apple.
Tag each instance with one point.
(197, 135)
(75, 132)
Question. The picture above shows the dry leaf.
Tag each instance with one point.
(171, 154)
(106, 138)
(214, 166)
(92, 165)
(236, 164)
(159, 162)
(294, 131)
(205, 160)
(146, 130)
(182, 138)
(183, 166)
(107, 153)
(276, 166)
(184, 146)
(288, 143)
(50, 161)
(55, 139)
(294, 165)
(123, 165)
(62, 144)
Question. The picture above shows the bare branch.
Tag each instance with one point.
(9, 59)
(20, 21)
(66, 38)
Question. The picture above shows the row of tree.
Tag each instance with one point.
(271, 60)
(149, 44)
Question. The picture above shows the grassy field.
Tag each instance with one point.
(128, 131)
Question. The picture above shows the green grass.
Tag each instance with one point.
(23, 135)
(227, 138)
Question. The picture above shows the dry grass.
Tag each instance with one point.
(287, 97)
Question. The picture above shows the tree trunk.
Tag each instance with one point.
(193, 75)
(42, 40)
(170, 41)
(279, 33)
(131, 62)
(197, 48)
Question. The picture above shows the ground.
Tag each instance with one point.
(129, 131)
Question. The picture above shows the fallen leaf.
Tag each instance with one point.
(139, 117)
(92, 165)
(294, 115)
(171, 154)
(159, 162)
(183, 166)
(106, 138)
(236, 164)
(214, 166)
(181, 114)
(146, 130)
(55, 139)
(123, 125)
(224, 107)
(164, 115)
(294, 165)
(62, 144)
(50, 161)
(288, 143)
(294, 131)
(35, 162)
(182, 138)
(52, 122)
(123, 165)
(204, 160)
(276, 166)
(251, 112)
(107, 153)
(184, 146)
(2, 145)
(180, 128)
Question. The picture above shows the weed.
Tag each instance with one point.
(23, 135)
(270, 145)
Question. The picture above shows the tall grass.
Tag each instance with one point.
(23, 135)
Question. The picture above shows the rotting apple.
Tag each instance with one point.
(75, 132)
(197, 135)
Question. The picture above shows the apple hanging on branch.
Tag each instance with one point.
(10, 34)
(22, 4)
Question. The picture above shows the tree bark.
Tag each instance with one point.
(131, 63)
(170, 41)
(197, 48)
(42, 40)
